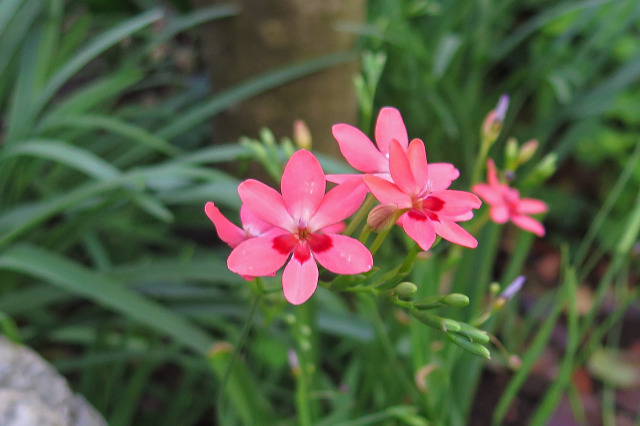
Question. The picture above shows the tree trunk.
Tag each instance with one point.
(271, 34)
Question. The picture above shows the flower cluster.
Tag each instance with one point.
(301, 225)
(506, 203)
(397, 173)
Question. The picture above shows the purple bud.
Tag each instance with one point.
(513, 288)
(501, 108)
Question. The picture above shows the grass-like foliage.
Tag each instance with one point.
(109, 267)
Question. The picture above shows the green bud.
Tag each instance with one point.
(302, 135)
(494, 288)
(450, 325)
(527, 150)
(444, 324)
(474, 348)
(456, 300)
(430, 302)
(267, 137)
(405, 290)
(543, 170)
(478, 336)
(511, 154)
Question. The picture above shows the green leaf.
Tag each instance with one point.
(92, 95)
(63, 153)
(96, 47)
(113, 125)
(84, 282)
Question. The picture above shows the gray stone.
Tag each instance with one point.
(32, 393)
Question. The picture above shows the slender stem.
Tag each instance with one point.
(382, 235)
(364, 234)
(362, 212)
(411, 257)
(236, 351)
(303, 333)
(485, 144)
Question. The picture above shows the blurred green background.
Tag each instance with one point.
(111, 270)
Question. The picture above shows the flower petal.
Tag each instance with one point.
(441, 175)
(390, 126)
(499, 213)
(531, 206)
(266, 203)
(252, 223)
(340, 254)
(449, 230)
(419, 228)
(257, 257)
(400, 169)
(490, 194)
(336, 228)
(418, 160)
(492, 176)
(387, 192)
(358, 149)
(303, 185)
(299, 280)
(338, 204)
(456, 202)
(528, 224)
(227, 231)
(342, 178)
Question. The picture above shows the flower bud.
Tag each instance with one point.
(494, 288)
(527, 150)
(450, 325)
(511, 154)
(514, 362)
(405, 290)
(456, 300)
(544, 169)
(302, 135)
(382, 217)
(513, 288)
(474, 348)
(444, 324)
(474, 334)
(492, 124)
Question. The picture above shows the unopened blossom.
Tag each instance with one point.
(302, 218)
(368, 158)
(429, 210)
(506, 204)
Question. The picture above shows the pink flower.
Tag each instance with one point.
(363, 155)
(430, 209)
(506, 203)
(303, 220)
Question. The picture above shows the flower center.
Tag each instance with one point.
(303, 234)
(433, 204)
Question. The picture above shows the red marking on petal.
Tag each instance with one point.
(417, 215)
(319, 242)
(302, 253)
(432, 203)
(284, 243)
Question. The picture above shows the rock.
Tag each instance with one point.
(32, 393)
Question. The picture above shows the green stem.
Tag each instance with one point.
(362, 212)
(303, 333)
(480, 160)
(236, 351)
